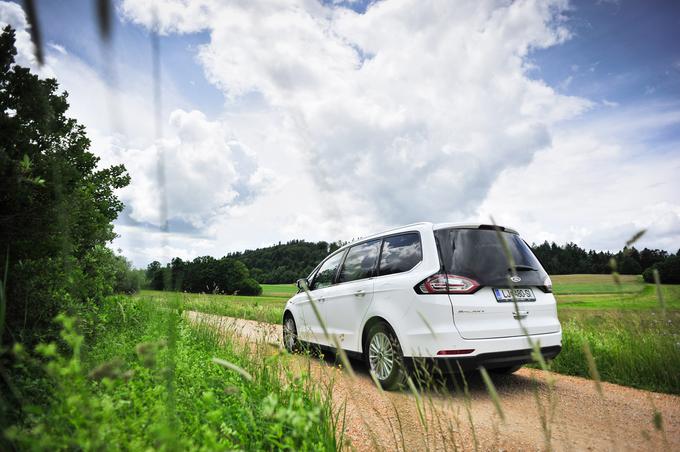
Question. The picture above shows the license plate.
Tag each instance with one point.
(505, 295)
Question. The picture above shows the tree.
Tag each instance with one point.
(56, 207)
(669, 271)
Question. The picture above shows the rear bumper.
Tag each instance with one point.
(491, 360)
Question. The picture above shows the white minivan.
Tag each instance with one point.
(443, 292)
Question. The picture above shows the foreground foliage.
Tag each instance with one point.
(150, 381)
(56, 206)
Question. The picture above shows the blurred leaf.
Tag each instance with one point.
(636, 237)
(104, 19)
(32, 17)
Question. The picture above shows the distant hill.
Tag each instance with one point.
(285, 262)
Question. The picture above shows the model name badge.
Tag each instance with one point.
(473, 311)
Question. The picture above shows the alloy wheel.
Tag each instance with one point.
(381, 355)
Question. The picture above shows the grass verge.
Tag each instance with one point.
(638, 349)
(149, 381)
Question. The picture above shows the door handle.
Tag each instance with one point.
(520, 314)
(359, 293)
(320, 300)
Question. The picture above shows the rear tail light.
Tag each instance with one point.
(442, 283)
(547, 285)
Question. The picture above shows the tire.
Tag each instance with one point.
(506, 370)
(290, 338)
(384, 357)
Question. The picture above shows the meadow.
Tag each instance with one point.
(633, 340)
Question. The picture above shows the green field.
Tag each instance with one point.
(278, 290)
(634, 343)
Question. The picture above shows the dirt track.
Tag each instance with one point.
(621, 419)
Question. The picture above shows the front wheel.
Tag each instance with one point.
(290, 337)
(384, 357)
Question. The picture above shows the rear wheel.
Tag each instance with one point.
(384, 357)
(290, 338)
(506, 370)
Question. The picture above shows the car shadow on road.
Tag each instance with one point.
(439, 385)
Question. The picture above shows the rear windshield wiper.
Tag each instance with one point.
(524, 268)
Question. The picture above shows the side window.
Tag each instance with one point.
(360, 261)
(324, 277)
(400, 253)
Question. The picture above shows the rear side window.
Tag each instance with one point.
(360, 261)
(324, 277)
(400, 253)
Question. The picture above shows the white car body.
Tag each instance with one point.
(470, 328)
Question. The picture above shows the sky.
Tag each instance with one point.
(332, 120)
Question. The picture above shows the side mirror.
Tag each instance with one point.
(302, 283)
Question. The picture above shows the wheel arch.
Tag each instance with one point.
(288, 313)
(369, 324)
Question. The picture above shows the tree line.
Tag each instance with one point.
(571, 258)
(242, 272)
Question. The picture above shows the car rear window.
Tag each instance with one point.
(400, 253)
(360, 261)
(479, 254)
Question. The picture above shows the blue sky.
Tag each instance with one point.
(331, 120)
(621, 51)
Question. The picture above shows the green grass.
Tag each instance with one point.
(596, 284)
(631, 344)
(263, 308)
(148, 382)
(278, 290)
(632, 348)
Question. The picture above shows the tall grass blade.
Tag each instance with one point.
(104, 19)
(491, 389)
(592, 367)
(338, 349)
(659, 292)
(419, 401)
(36, 36)
(635, 237)
(231, 366)
(3, 296)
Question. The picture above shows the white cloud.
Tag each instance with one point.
(595, 186)
(338, 124)
(404, 112)
(206, 171)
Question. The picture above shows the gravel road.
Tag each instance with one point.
(620, 419)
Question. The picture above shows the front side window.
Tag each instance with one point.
(324, 277)
(360, 261)
(400, 253)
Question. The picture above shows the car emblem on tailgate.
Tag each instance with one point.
(515, 279)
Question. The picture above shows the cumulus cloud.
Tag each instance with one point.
(206, 171)
(413, 110)
(593, 191)
(409, 110)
